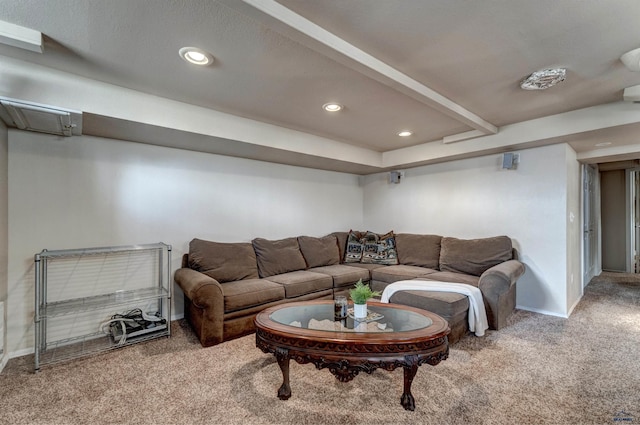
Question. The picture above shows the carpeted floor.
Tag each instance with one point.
(538, 370)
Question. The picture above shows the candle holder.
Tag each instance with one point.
(340, 307)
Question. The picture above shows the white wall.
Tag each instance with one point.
(475, 198)
(4, 248)
(86, 191)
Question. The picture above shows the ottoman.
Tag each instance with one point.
(450, 306)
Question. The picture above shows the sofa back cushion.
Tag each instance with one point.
(319, 252)
(276, 257)
(474, 256)
(225, 262)
(418, 250)
(342, 242)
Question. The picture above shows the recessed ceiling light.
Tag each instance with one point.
(603, 144)
(405, 133)
(543, 79)
(332, 107)
(196, 56)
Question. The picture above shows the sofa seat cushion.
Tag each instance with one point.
(247, 293)
(343, 275)
(369, 267)
(319, 252)
(450, 305)
(398, 272)
(302, 282)
(276, 257)
(474, 256)
(452, 277)
(224, 262)
(418, 250)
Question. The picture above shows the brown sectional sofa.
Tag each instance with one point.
(226, 284)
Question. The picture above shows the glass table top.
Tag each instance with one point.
(380, 319)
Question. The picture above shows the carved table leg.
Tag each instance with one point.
(410, 370)
(282, 356)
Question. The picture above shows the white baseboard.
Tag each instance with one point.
(20, 353)
(545, 312)
(574, 305)
(552, 313)
(7, 356)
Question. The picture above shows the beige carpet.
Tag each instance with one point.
(540, 369)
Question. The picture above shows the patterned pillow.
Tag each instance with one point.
(379, 249)
(355, 246)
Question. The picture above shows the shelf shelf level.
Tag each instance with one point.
(79, 305)
(88, 345)
(45, 253)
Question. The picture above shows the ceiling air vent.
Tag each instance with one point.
(41, 118)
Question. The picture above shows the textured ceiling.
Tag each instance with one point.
(475, 53)
(472, 53)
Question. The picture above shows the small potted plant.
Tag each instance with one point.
(359, 295)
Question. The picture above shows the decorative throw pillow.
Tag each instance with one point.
(355, 246)
(379, 249)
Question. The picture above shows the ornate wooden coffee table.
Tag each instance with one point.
(305, 331)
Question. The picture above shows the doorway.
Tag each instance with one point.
(614, 212)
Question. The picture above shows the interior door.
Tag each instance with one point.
(590, 222)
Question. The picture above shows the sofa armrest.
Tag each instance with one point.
(202, 290)
(204, 305)
(498, 291)
(500, 277)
